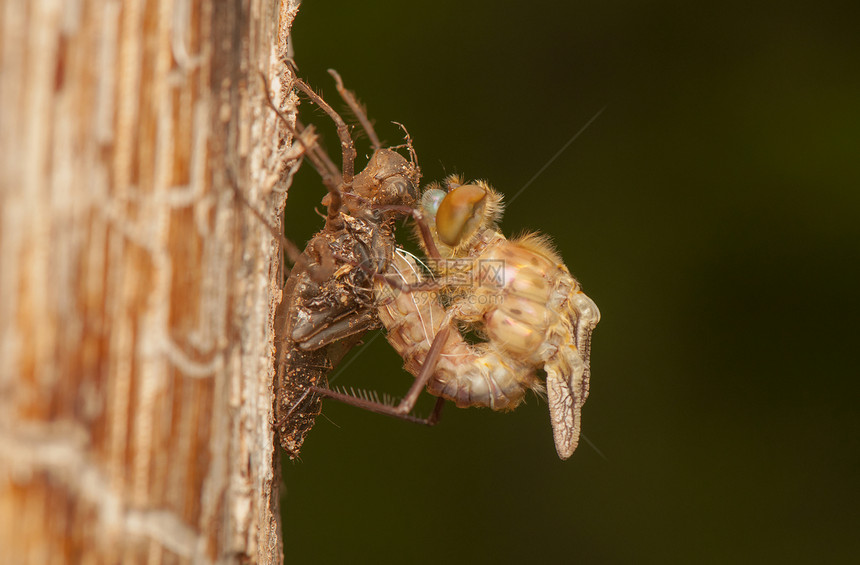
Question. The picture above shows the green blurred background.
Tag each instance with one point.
(712, 213)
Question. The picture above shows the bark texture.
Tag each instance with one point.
(136, 290)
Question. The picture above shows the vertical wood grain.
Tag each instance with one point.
(136, 292)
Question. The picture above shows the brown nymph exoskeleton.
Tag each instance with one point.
(328, 300)
(516, 295)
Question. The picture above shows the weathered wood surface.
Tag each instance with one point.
(136, 293)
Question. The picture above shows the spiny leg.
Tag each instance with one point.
(346, 144)
(357, 109)
(403, 409)
(318, 158)
(349, 151)
(330, 174)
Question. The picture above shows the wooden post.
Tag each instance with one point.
(136, 291)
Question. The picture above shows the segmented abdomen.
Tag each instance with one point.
(468, 374)
(296, 371)
(319, 321)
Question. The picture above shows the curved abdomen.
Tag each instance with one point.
(468, 374)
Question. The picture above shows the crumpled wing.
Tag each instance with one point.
(567, 380)
(566, 395)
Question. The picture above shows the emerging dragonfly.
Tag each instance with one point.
(328, 300)
(517, 295)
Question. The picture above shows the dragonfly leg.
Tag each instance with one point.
(319, 159)
(403, 409)
(346, 144)
(356, 109)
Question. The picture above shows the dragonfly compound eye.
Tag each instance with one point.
(460, 214)
(430, 201)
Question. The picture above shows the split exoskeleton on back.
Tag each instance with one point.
(328, 300)
(516, 295)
